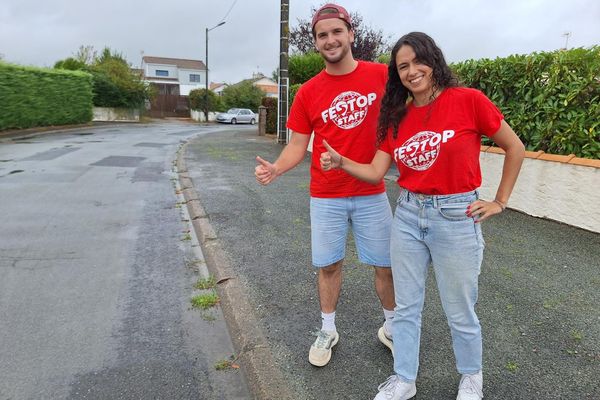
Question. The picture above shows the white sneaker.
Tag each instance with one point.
(385, 338)
(394, 388)
(470, 387)
(320, 351)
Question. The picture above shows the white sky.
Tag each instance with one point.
(36, 32)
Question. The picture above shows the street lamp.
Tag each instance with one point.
(206, 71)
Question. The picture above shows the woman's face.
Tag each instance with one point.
(414, 75)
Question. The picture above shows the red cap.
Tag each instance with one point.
(331, 10)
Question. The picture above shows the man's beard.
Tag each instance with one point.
(337, 58)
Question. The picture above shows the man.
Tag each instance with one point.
(340, 105)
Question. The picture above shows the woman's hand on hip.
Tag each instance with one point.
(481, 210)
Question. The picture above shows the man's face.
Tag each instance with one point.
(333, 39)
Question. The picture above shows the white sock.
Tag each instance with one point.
(328, 322)
(389, 316)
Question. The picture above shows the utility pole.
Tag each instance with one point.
(206, 71)
(284, 84)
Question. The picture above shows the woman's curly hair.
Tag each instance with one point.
(393, 104)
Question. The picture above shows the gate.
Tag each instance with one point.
(168, 102)
(169, 105)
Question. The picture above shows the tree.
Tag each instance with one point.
(368, 42)
(198, 100)
(242, 95)
(86, 54)
(70, 64)
(114, 84)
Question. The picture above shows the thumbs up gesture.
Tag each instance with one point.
(330, 159)
(264, 172)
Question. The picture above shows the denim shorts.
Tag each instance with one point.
(370, 218)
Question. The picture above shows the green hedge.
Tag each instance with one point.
(271, 104)
(41, 97)
(293, 91)
(302, 67)
(550, 99)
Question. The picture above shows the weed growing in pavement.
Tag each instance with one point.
(512, 366)
(224, 365)
(206, 283)
(205, 301)
(576, 335)
(506, 272)
(187, 236)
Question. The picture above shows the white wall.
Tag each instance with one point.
(199, 115)
(115, 114)
(184, 90)
(150, 70)
(184, 77)
(559, 191)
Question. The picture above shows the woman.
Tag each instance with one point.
(435, 140)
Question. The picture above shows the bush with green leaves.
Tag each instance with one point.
(271, 104)
(302, 67)
(293, 91)
(242, 95)
(550, 99)
(43, 97)
(198, 100)
(114, 84)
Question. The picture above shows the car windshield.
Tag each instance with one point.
(233, 111)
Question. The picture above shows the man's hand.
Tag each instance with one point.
(330, 159)
(265, 172)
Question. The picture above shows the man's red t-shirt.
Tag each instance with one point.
(342, 109)
(437, 148)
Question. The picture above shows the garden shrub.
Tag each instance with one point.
(33, 97)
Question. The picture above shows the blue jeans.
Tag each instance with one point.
(435, 230)
(371, 219)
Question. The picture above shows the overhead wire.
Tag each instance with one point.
(230, 8)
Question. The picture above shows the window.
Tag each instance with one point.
(162, 72)
(194, 78)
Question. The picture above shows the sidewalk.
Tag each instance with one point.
(539, 291)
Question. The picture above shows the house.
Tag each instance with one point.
(217, 88)
(174, 76)
(173, 79)
(267, 85)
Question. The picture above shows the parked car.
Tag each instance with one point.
(237, 116)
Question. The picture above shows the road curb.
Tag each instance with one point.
(254, 355)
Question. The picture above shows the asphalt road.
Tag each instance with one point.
(97, 267)
(539, 290)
